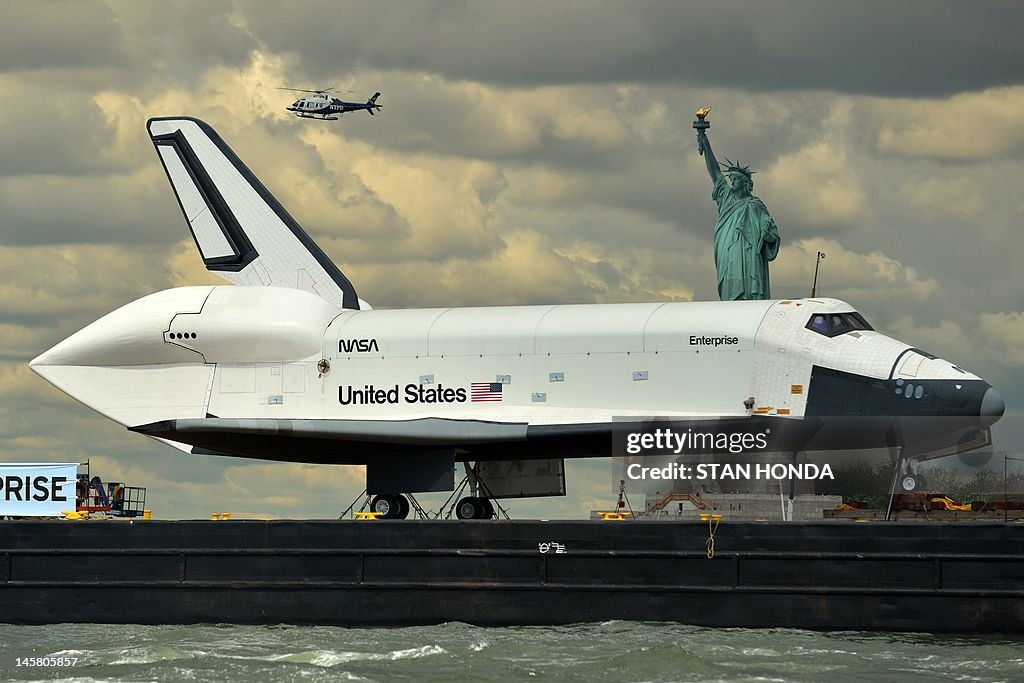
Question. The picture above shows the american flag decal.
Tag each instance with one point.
(485, 392)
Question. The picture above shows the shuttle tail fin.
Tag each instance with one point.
(242, 232)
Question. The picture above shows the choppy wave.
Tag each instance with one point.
(609, 651)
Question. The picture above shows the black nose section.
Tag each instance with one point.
(992, 406)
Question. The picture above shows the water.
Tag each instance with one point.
(612, 651)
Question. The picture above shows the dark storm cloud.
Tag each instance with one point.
(875, 47)
(58, 34)
(181, 38)
(74, 138)
(96, 209)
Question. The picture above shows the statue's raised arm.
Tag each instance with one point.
(704, 145)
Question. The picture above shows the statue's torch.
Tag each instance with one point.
(701, 125)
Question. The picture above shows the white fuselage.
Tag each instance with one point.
(240, 352)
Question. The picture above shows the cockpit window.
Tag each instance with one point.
(835, 324)
(861, 322)
(819, 324)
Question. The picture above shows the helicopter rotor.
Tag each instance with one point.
(318, 92)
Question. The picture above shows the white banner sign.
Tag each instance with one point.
(37, 489)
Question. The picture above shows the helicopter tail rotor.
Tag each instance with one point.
(372, 102)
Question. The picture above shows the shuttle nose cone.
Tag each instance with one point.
(992, 406)
(41, 359)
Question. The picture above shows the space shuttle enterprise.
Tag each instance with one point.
(290, 364)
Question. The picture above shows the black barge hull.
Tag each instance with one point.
(964, 578)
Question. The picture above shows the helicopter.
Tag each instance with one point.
(324, 106)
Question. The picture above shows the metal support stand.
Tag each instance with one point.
(897, 473)
(623, 500)
(452, 499)
(782, 502)
(792, 491)
(348, 510)
(415, 504)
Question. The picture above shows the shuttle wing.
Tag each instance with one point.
(242, 232)
(329, 440)
(417, 432)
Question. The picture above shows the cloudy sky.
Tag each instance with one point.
(527, 152)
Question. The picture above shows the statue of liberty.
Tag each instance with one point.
(746, 237)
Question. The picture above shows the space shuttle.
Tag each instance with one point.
(287, 363)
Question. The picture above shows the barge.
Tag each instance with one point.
(894, 576)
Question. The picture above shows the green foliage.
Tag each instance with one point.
(864, 483)
(984, 484)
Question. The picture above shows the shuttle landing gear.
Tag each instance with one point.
(911, 482)
(387, 506)
(472, 507)
(390, 506)
(905, 477)
(480, 503)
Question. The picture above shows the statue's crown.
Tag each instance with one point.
(735, 167)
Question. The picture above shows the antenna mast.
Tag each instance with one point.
(817, 261)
